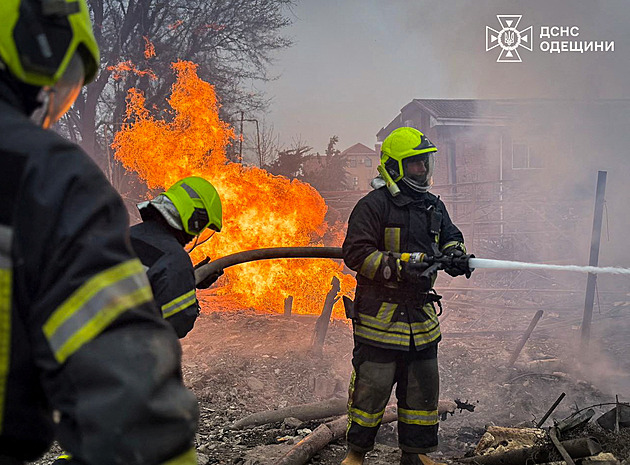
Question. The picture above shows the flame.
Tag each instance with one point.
(123, 67)
(259, 209)
(149, 48)
(175, 25)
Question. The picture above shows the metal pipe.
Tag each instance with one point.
(550, 411)
(265, 254)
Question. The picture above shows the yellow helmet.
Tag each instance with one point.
(403, 147)
(198, 205)
(40, 38)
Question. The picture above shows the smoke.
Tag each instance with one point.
(456, 30)
(565, 115)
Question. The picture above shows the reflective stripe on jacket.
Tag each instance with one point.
(170, 273)
(390, 313)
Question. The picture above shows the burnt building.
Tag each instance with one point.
(519, 176)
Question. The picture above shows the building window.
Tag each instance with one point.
(526, 157)
(352, 162)
(368, 162)
(355, 182)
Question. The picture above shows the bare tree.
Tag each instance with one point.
(264, 142)
(232, 41)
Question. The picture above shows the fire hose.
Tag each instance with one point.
(433, 264)
(265, 254)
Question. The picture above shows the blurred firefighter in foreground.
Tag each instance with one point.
(189, 211)
(79, 330)
(396, 330)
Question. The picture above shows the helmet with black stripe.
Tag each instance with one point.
(198, 205)
(408, 155)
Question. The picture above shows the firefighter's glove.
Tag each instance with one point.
(412, 272)
(458, 262)
(209, 280)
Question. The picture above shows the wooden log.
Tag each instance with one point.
(553, 435)
(321, 437)
(288, 305)
(576, 448)
(315, 411)
(524, 338)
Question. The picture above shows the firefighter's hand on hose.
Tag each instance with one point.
(458, 262)
(203, 262)
(209, 280)
(412, 272)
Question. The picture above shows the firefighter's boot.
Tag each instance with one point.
(417, 459)
(353, 457)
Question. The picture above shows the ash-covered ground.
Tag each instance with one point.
(239, 362)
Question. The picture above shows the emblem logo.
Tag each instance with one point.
(509, 38)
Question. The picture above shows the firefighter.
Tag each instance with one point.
(188, 211)
(396, 328)
(84, 358)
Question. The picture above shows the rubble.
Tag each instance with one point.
(232, 352)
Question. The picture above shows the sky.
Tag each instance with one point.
(355, 63)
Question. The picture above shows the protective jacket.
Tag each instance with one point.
(170, 273)
(391, 313)
(79, 331)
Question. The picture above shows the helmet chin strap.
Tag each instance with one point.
(40, 115)
(415, 185)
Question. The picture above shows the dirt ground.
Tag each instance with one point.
(243, 362)
(239, 362)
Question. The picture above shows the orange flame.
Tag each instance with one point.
(123, 67)
(175, 25)
(149, 48)
(259, 209)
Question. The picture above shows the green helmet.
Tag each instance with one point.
(403, 151)
(197, 203)
(39, 38)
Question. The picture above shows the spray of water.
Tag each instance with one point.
(476, 263)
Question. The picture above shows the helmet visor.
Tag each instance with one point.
(418, 169)
(62, 95)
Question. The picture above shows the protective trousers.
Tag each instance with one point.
(416, 376)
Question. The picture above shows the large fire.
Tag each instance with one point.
(259, 209)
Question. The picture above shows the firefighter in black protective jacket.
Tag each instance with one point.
(189, 210)
(396, 328)
(84, 357)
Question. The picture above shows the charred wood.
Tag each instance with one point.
(321, 327)
(322, 436)
(524, 338)
(315, 411)
(559, 447)
(305, 412)
(576, 448)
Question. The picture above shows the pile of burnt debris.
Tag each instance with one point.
(574, 440)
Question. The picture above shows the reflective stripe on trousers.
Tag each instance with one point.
(6, 285)
(415, 374)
